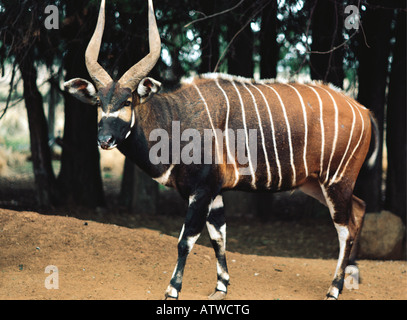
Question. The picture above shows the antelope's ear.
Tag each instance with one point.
(147, 87)
(81, 89)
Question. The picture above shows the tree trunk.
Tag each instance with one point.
(373, 72)
(269, 50)
(240, 55)
(210, 38)
(396, 125)
(327, 26)
(79, 179)
(40, 152)
(139, 192)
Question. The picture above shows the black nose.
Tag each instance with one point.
(106, 141)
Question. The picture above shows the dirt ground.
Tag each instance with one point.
(107, 261)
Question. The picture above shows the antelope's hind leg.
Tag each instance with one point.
(347, 213)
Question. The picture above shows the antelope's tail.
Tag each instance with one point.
(373, 157)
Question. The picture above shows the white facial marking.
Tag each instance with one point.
(110, 114)
(133, 119)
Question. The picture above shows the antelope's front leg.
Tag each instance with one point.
(216, 225)
(198, 208)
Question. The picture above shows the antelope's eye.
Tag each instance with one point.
(98, 103)
(127, 103)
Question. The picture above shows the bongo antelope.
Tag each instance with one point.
(310, 136)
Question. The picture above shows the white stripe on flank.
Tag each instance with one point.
(321, 119)
(357, 145)
(210, 120)
(262, 136)
(227, 135)
(247, 136)
(347, 147)
(274, 138)
(288, 133)
(335, 137)
(304, 112)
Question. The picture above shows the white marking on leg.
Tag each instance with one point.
(163, 179)
(262, 136)
(171, 292)
(288, 133)
(181, 233)
(253, 183)
(220, 286)
(343, 235)
(223, 275)
(218, 235)
(217, 203)
(304, 112)
(191, 241)
(229, 155)
(328, 201)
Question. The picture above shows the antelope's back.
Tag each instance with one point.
(302, 129)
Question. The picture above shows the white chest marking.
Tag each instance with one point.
(163, 179)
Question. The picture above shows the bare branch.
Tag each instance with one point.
(13, 73)
(214, 15)
(237, 33)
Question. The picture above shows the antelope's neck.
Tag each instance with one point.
(156, 113)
